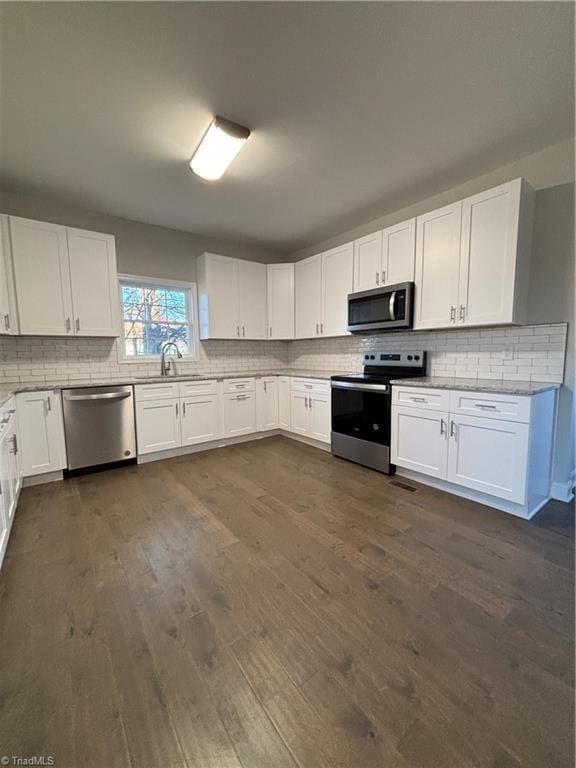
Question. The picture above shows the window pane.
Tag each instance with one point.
(132, 302)
(147, 338)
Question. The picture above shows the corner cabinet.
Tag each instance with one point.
(494, 448)
(280, 301)
(64, 280)
(232, 298)
(473, 258)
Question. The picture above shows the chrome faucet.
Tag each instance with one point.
(165, 366)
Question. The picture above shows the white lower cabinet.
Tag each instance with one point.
(419, 440)
(201, 421)
(239, 412)
(267, 403)
(41, 432)
(310, 411)
(10, 472)
(489, 455)
(284, 402)
(158, 425)
(503, 453)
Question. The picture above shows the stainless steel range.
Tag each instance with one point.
(362, 407)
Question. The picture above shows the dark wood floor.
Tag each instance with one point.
(269, 606)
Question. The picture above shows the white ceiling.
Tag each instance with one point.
(350, 104)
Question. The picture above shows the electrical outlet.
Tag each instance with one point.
(508, 353)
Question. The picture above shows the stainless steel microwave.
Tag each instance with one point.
(386, 308)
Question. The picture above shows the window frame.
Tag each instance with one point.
(192, 313)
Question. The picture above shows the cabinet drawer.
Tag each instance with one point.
(161, 391)
(238, 385)
(504, 407)
(421, 397)
(320, 386)
(191, 388)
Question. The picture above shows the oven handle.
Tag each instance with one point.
(392, 306)
(104, 396)
(361, 387)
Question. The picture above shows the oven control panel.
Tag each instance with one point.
(414, 358)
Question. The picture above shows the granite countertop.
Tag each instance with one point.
(478, 385)
(10, 389)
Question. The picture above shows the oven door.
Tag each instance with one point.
(362, 411)
(381, 308)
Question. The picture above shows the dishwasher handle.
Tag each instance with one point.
(103, 396)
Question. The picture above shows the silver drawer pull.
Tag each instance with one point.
(442, 427)
(419, 399)
(485, 407)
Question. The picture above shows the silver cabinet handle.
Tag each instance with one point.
(321, 327)
(68, 325)
(309, 402)
(184, 408)
(377, 278)
(308, 386)
(176, 408)
(383, 276)
(270, 330)
(452, 314)
(77, 325)
(317, 328)
(453, 430)
(442, 427)
(14, 444)
(243, 331)
(241, 397)
(237, 330)
(418, 399)
(265, 390)
(49, 404)
(462, 312)
(486, 407)
(7, 322)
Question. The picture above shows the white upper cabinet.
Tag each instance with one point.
(473, 259)
(398, 253)
(437, 267)
(337, 283)
(280, 301)
(65, 280)
(231, 298)
(42, 276)
(308, 296)
(385, 257)
(252, 317)
(218, 299)
(94, 282)
(495, 254)
(368, 262)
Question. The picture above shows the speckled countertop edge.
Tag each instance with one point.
(490, 386)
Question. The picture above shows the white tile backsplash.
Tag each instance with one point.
(529, 353)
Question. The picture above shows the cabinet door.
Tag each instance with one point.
(41, 432)
(239, 414)
(200, 419)
(42, 277)
(337, 283)
(267, 403)
(94, 284)
(399, 252)
(8, 314)
(284, 402)
(368, 262)
(280, 301)
(158, 425)
(308, 297)
(252, 291)
(419, 440)
(299, 413)
(320, 425)
(218, 297)
(489, 456)
(437, 267)
(490, 223)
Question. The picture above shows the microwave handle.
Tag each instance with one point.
(392, 307)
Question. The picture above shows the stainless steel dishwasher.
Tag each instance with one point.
(99, 425)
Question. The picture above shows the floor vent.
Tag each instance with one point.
(403, 486)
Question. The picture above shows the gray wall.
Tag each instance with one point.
(141, 249)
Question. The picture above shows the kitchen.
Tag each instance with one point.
(233, 446)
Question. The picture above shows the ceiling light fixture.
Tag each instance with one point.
(219, 146)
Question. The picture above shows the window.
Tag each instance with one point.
(155, 311)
